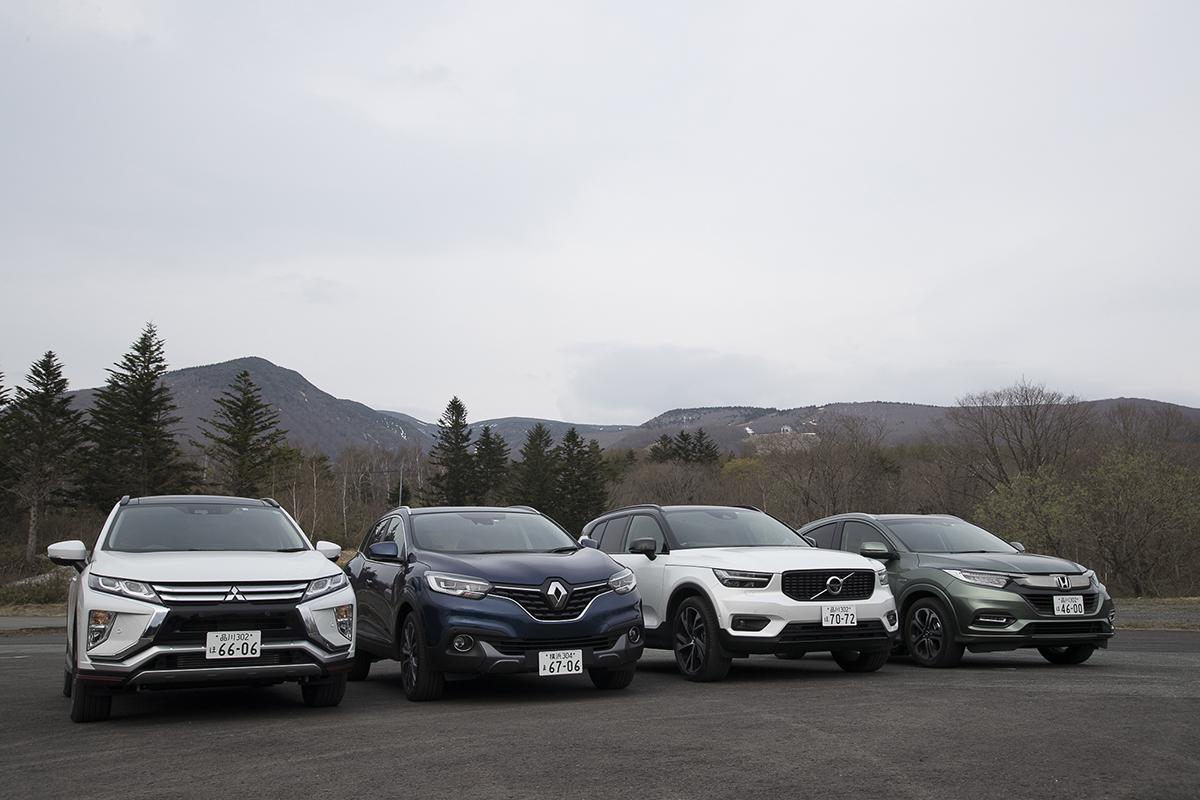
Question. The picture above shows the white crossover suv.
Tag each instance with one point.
(195, 591)
(720, 582)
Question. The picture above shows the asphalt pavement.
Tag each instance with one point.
(1124, 725)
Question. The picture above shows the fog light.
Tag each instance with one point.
(1112, 618)
(741, 623)
(99, 625)
(344, 616)
(462, 643)
(635, 634)
(891, 617)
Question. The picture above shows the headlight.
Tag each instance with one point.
(457, 585)
(995, 579)
(623, 582)
(742, 580)
(324, 586)
(883, 576)
(134, 589)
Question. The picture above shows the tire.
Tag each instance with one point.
(89, 704)
(419, 680)
(361, 668)
(928, 629)
(68, 679)
(325, 693)
(789, 656)
(861, 660)
(1070, 654)
(612, 678)
(697, 651)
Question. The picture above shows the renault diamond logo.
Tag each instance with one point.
(556, 595)
(1064, 581)
(235, 595)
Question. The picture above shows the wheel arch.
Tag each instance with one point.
(920, 592)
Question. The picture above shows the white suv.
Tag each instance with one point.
(195, 591)
(720, 582)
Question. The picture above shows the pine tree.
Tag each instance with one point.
(491, 467)
(534, 477)
(663, 450)
(581, 494)
(133, 423)
(243, 438)
(704, 449)
(453, 482)
(43, 438)
(684, 448)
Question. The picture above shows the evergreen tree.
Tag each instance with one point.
(133, 423)
(683, 448)
(534, 477)
(43, 439)
(453, 482)
(491, 467)
(663, 450)
(243, 438)
(704, 449)
(581, 494)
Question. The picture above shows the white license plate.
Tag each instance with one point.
(560, 662)
(838, 616)
(1068, 605)
(233, 644)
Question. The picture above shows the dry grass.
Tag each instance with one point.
(34, 610)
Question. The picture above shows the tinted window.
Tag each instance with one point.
(202, 526)
(854, 533)
(614, 535)
(644, 527)
(488, 532)
(597, 532)
(941, 535)
(823, 535)
(395, 532)
(377, 532)
(730, 527)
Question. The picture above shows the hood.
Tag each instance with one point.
(1001, 562)
(213, 567)
(769, 559)
(585, 565)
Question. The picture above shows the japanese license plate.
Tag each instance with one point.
(560, 662)
(838, 616)
(1068, 605)
(233, 644)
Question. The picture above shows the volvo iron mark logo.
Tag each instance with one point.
(834, 584)
(556, 594)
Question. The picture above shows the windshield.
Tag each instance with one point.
(730, 527)
(946, 536)
(169, 527)
(488, 532)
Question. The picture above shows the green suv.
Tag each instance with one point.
(959, 588)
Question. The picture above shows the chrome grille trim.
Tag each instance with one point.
(179, 593)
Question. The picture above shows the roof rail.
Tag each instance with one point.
(527, 508)
(271, 501)
(636, 505)
(124, 500)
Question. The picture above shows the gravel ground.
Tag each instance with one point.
(1181, 613)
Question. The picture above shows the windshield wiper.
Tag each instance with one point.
(565, 549)
(291, 549)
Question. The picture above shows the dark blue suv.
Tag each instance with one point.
(475, 591)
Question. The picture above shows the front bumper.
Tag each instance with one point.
(1000, 619)
(507, 640)
(153, 645)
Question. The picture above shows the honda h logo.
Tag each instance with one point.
(556, 594)
(235, 595)
(1064, 581)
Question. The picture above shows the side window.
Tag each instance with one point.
(855, 533)
(824, 535)
(645, 527)
(614, 535)
(395, 532)
(376, 532)
(597, 532)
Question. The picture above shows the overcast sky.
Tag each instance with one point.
(598, 212)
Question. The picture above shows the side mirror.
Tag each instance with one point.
(809, 539)
(384, 551)
(330, 550)
(876, 550)
(647, 547)
(1020, 547)
(69, 554)
(587, 541)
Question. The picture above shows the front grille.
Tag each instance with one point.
(1044, 603)
(519, 647)
(1063, 628)
(811, 584)
(173, 594)
(532, 600)
(192, 625)
(804, 632)
(198, 661)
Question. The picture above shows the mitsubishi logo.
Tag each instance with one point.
(556, 594)
(234, 595)
(1064, 581)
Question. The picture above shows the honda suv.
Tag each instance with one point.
(719, 583)
(491, 591)
(195, 591)
(959, 587)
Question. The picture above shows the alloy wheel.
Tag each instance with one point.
(926, 634)
(409, 658)
(691, 640)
